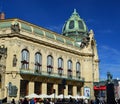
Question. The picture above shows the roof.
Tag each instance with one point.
(75, 27)
(38, 31)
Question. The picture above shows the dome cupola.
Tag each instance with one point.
(75, 28)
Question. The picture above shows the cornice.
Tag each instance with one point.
(29, 35)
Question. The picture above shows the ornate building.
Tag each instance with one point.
(36, 60)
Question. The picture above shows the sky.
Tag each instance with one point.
(102, 16)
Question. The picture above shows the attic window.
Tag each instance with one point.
(81, 26)
(71, 24)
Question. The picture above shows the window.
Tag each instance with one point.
(49, 64)
(78, 70)
(79, 91)
(70, 90)
(37, 87)
(71, 24)
(81, 26)
(60, 89)
(60, 66)
(24, 88)
(25, 59)
(49, 88)
(69, 68)
(38, 61)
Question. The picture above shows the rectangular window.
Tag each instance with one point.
(24, 88)
(70, 90)
(37, 87)
(49, 88)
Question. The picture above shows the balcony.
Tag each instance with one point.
(52, 75)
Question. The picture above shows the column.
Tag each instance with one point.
(66, 90)
(74, 90)
(31, 87)
(56, 88)
(44, 88)
(82, 91)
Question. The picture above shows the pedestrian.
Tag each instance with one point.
(25, 101)
(32, 101)
(13, 101)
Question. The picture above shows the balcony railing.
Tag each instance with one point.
(53, 75)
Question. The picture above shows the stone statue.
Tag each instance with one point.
(14, 61)
(109, 77)
(85, 42)
(15, 28)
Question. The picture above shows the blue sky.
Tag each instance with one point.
(102, 16)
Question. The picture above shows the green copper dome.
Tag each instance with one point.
(75, 28)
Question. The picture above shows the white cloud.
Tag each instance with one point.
(110, 61)
(109, 53)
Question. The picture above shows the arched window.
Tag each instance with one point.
(25, 59)
(78, 70)
(71, 24)
(38, 62)
(69, 68)
(60, 66)
(49, 64)
(81, 26)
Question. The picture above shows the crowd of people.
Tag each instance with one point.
(59, 101)
(54, 101)
(62, 101)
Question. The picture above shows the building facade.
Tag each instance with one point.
(36, 60)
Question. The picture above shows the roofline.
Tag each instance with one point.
(30, 24)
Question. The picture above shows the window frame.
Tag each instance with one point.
(69, 68)
(49, 64)
(71, 24)
(38, 62)
(25, 59)
(78, 69)
(60, 66)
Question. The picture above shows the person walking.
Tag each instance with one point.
(25, 101)
(13, 101)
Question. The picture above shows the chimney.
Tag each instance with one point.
(2, 15)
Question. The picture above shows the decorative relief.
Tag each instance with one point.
(26, 47)
(32, 47)
(4, 31)
(39, 50)
(15, 28)
(45, 50)
(50, 53)
(85, 42)
(18, 43)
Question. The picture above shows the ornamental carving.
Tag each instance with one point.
(85, 42)
(15, 28)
